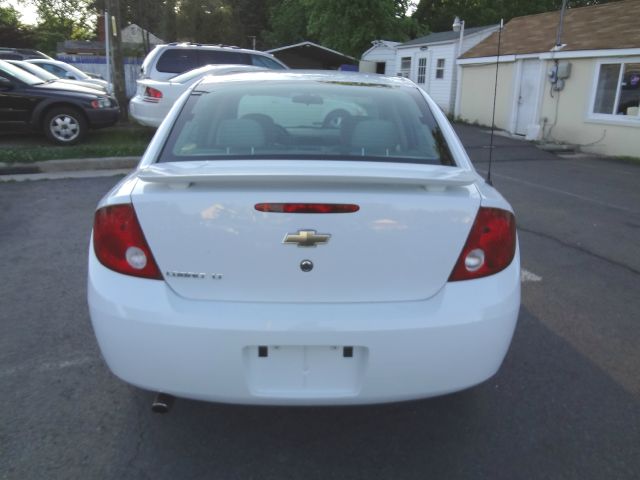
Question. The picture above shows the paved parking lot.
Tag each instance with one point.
(565, 405)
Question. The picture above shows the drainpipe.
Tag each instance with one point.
(561, 24)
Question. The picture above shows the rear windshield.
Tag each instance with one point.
(266, 62)
(179, 60)
(307, 120)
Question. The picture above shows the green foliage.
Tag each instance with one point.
(348, 27)
(12, 32)
(60, 20)
(287, 24)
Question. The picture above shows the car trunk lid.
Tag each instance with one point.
(211, 242)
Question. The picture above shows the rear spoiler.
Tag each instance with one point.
(266, 171)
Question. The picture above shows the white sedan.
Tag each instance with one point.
(255, 261)
(154, 98)
(69, 72)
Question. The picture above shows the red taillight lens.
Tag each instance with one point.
(152, 94)
(120, 245)
(490, 246)
(307, 207)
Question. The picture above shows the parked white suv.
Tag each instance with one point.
(167, 61)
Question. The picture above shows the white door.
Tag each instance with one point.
(527, 95)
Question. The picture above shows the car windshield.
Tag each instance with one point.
(308, 119)
(36, 70)
(79, 74)
(19, 74)
(61, 66)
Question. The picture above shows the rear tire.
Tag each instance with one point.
(64, 125)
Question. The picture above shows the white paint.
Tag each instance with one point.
(527, 276)
(527, 96)
(193, 339)
(383, 51)
(442, 90)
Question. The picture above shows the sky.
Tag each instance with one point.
(27, 11)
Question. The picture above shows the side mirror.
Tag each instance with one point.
(70, 76)
(5, 84)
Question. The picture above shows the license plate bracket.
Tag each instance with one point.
(305, 371)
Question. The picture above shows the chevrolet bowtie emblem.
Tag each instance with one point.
(306, 238)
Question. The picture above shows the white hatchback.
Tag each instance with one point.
(262, 255)
(154, 98)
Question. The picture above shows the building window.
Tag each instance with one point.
(618, 90)
(405, 67)
(422, 69)
(440, 68)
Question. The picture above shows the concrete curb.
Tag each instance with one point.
(70, 165)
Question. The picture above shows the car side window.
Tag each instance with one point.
(177, 60)
(57, 71)
(260, 61)
(216, 57)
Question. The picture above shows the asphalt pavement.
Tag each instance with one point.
(565, 404)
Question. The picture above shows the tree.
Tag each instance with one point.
(438, 15)
(168, 30)
(350, 27)
(287, 24)
(60, 20)
(12, 32)
(205, 21)
(345, 26)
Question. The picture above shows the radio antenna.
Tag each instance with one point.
(493, 114)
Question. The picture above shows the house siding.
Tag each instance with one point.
(440, 89)
(573, 124)
(476, 99)
(383, 54)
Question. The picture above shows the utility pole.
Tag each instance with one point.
(117, 65)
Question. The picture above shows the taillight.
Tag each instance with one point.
(307, 207)
(120, 245)
(152, 94)
(490, 246)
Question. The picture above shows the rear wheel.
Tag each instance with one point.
(64, 125)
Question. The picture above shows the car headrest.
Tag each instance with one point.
(240, 133)
(374, 135)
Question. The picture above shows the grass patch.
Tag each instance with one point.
(121, 141)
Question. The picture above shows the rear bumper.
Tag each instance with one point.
(147, 113)
(156, 340)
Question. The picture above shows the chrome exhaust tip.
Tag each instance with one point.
(162, 403)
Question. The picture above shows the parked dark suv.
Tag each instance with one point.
(62, 111)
